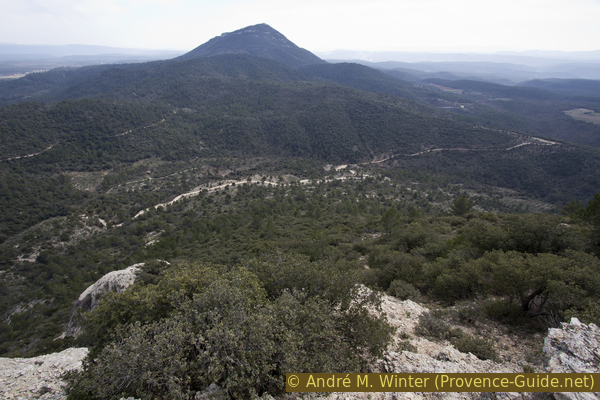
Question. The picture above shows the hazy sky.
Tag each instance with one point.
(317, 25)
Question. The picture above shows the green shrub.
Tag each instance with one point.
(503, 311)
(462, 205)
(528, 369)
(403, 290)
(468, 312)
(222, 326)
(480, 347)
(406, 345)
(432, 324)
(388, 266)
(457, 280)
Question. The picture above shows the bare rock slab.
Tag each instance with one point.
(38, 377)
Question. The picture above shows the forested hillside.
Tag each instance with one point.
(534, 107)
(292, 193)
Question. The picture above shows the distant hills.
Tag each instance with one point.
(16, 59)
(249, 143)
(252, 92)
(533, 58)
(23, 51)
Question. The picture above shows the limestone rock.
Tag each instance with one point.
(38, 377)
(575, 347)
(448, 360)
(115, 281)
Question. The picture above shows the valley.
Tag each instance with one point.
(274, 186)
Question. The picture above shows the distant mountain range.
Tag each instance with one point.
(505, 67)
(508, 67)
(533, 58)
(232, 149)
(255, 92)
(17, 60)
(29, 51)
(505, 70)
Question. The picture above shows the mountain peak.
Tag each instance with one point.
(254, 29)
(259, 40)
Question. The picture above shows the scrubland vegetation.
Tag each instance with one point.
(273, 282)
(303, 195)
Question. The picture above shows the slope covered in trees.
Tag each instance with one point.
(270, 188)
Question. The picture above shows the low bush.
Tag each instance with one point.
(403, 290)
(432, 324)
(480, 347)
(468, 312)
(504, 311)
(226, 326)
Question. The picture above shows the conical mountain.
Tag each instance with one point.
(258, 40)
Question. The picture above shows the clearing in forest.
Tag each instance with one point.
(583, 114)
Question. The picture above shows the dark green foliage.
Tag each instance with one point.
(403, 290)
(591, 214)
(389, 266)
(433, 324)
(362, 78)
(242, 105)
(535, 284)
(454, 279)
(528, 233)
(161, 129)
(468, 312)
(219, 325)
(28, 199)
(390, 220)
(504, 311)
(437, 255)
(280, 272)
(572, 209)
(462, 205)
(480, 347)
(554, 173)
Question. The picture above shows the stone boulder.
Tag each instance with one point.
(115, 281)
(575, 347)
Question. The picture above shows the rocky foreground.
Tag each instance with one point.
(38, 377)
(573, 348)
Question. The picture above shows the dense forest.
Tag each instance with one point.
(428, 241)
(269, 207)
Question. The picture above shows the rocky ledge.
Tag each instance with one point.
(575, 347)
(38, 377)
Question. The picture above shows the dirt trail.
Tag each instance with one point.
(199, 190)
(141, 127)
(52, 145)
(531, 141)
(29, 155)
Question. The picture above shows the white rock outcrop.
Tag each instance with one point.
(575, 347)
(38, 377)
(115, 281)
